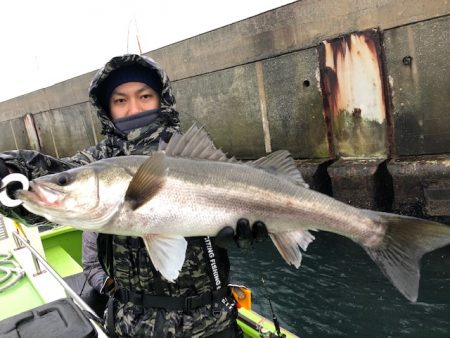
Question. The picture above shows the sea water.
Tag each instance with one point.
(340, 292)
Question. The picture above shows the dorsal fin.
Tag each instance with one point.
(147, 181)
(280, 163)
(195, 143)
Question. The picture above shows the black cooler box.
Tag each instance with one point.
(58, 319)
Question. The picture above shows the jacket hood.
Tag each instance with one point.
(169, 116)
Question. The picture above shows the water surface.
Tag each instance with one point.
(339, 292)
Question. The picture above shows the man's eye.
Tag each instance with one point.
(146, 96)
(118, 101)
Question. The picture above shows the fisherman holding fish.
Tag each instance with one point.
(136, 109)
(170, 280)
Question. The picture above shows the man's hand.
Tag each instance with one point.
(109, 287)
(244, 236)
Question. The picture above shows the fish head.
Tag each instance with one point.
(86, 197)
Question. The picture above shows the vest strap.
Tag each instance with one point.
(185, 304)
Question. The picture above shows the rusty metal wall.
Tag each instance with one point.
(354, 98)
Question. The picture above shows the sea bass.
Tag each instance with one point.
(188, 188)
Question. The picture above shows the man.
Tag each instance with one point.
(136, 109)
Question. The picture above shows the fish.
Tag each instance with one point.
(188, 187)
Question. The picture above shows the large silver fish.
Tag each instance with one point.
(192, 189)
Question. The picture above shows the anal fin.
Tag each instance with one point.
(289, 243)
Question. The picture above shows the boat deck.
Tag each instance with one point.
(60, 248)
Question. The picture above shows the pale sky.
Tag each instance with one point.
(44, 42)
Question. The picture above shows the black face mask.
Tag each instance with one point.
(127, 124)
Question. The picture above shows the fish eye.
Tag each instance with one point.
(63, 179)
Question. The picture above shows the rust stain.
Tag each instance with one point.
(354, 61)
(353, 91)
(328, 81)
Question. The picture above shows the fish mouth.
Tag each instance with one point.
(41, 194)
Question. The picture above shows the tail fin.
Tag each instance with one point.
(407, 239)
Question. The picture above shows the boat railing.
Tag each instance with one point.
(39, 262)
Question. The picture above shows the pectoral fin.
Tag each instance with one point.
(167, 254)
(148, 180)
(288, 244)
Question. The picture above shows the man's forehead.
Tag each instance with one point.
(131, 87)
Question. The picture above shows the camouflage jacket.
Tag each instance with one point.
(121, 257)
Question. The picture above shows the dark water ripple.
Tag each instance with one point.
(340, 292)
